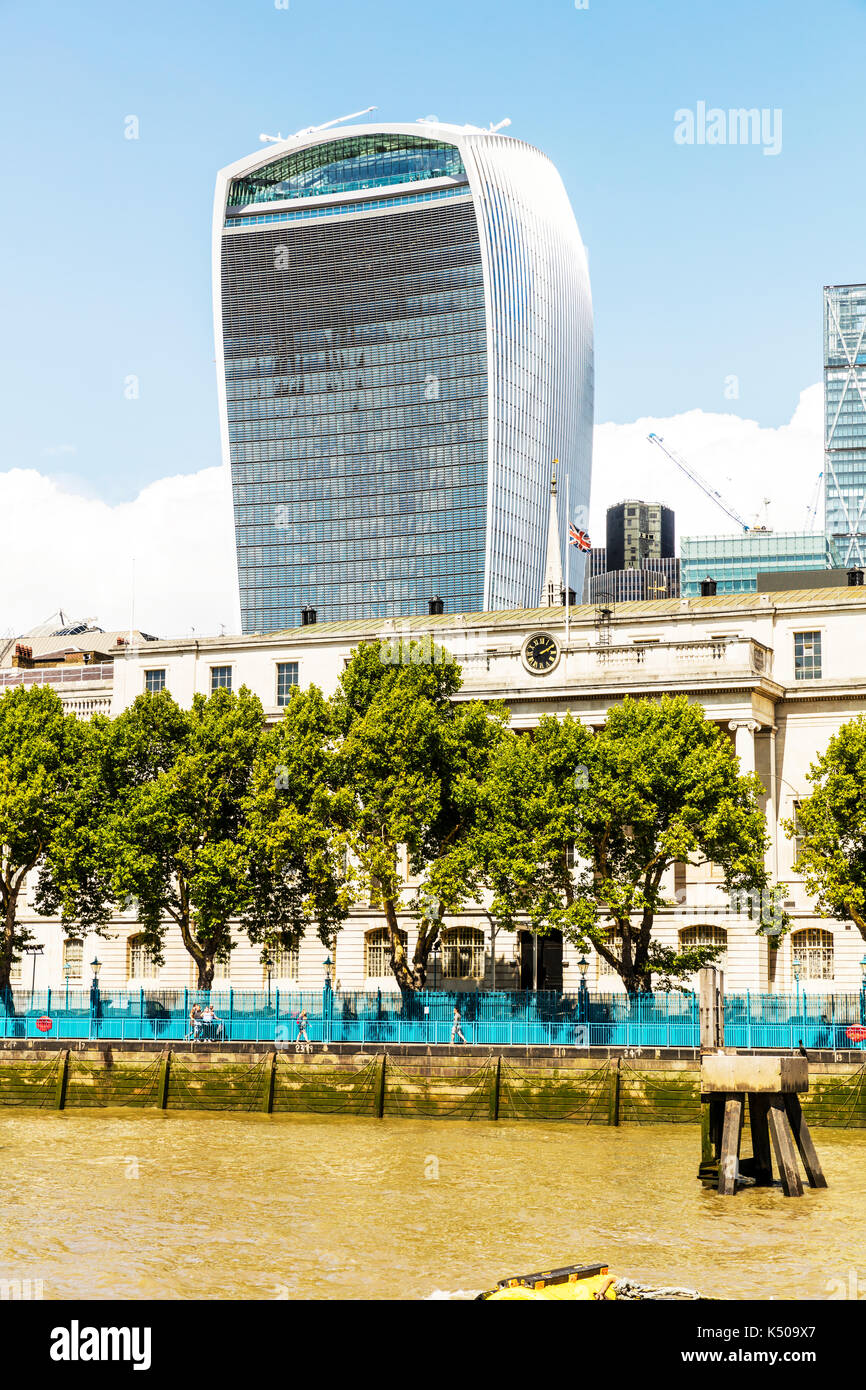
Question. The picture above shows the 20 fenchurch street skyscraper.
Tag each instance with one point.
(404, 345)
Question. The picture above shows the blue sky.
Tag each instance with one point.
(707, 262)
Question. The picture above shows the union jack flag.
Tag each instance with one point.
(579, 538)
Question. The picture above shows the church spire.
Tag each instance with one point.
(552, 592)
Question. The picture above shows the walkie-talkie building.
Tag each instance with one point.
(404, 345)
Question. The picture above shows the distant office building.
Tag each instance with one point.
(845, 420)
(638, 562)
(652, 579)
(638, 531)
(735, 561)
(404, 345)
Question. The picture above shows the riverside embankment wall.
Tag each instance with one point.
(411, 1081)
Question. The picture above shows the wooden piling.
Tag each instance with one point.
(162, 1084)
(783, 1147)
(762, 1162)
(379, 1098)
(803, 1140)
(614, 1092)
(62, 1080)
(494, 1090)
(268, 1087)
(729, 1159)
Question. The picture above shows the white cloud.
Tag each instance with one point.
(65, 550)
(62, 548)
(744, 461)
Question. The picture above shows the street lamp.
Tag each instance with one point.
(95, 965)
(67, 971)
(797, 968)
(269, 967)
(863, 989)
(583, 992)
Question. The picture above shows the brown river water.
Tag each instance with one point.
(117, 1204)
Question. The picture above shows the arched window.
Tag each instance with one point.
(463, 953)
(377, 953)
(812, 950)
(705, 934)
(140, 962)
(73, 961)
(614, 944)
(284, 963)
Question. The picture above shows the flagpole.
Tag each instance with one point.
(567, 556)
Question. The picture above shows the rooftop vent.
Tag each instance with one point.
(708, 587)
(855, 579)
(308, 615)
(435, 606)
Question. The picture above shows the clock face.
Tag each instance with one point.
(540, 653)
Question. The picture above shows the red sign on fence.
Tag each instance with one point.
(857, 1033)
(44, 1024)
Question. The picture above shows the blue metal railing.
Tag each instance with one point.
(515, 1018)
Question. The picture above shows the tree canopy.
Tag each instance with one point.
(576, 830)
(831, 827)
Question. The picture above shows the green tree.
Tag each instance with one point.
(576, 831)
(181, 784)
(294, 854)
(52, 800)
(408, 760)
(831, 827)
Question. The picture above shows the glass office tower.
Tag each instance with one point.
(735, 561)
(845, 421)
(404, 345)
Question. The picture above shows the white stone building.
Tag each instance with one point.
(780, 672)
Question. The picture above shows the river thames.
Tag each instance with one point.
(168, 1205)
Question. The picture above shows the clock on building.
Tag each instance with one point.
(540, 653)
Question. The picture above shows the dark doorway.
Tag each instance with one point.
(541, 961)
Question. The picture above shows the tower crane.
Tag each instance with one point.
(702, 483)
(810, 515)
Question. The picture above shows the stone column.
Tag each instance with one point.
(744, 731)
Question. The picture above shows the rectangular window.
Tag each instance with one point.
(154, 682)
(141, 965)
(73, 960)
(220, 678)
(287, 677)
(807, 656)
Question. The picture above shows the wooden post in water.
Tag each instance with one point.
(772, 1085)
(494, 1090)
(62, 1079)
(379, 1100)
(613, 1094)
(162, 1084)
(711, 1005)
(268, 1087)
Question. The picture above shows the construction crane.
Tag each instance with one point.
(702, 483)
(810, 515)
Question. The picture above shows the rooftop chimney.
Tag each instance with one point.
(308, 615)
(435, 605)
(855, 579)
(708, 587)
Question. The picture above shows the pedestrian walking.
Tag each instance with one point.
(456, 1030)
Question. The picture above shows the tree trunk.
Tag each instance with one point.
(6, 949)
(410, 975)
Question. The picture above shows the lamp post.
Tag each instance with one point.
(327, 997)
(67, 971)
(269, 967)
(95, 965)
(863, 989)
(33, 951)
(583, 992)
(797, 967)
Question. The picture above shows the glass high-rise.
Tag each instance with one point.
(404, 345)
(734, 561)
(845, 421)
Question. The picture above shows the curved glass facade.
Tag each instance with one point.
(386, 378)
(345, 166)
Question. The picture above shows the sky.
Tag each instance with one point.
(707, 260)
